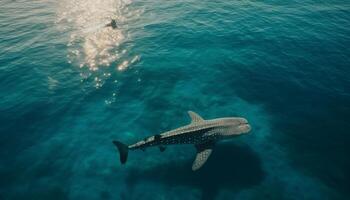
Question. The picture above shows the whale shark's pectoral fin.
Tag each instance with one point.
(203, 153)
(195, 117)
(201, 158)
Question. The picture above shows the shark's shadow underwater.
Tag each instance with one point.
(232, 167)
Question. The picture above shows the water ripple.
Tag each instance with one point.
(98, 50)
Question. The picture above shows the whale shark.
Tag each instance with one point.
(203, 134)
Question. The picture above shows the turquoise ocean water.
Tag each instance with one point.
(69, 86)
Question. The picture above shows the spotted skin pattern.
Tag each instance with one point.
(202, 133)
(201, 158)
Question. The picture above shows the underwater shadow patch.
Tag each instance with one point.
(230, 167)
(310, 121)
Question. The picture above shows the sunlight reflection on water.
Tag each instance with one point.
(98, 50)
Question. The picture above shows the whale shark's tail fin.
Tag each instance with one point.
(123, 151)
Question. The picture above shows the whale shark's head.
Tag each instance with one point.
(236, 126)
(243, 126)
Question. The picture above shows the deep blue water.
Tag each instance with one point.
(69, 86)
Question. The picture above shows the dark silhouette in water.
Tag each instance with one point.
(231, 167)
(112, 24)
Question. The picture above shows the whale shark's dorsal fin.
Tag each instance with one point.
(203, 152)
(195, 117)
